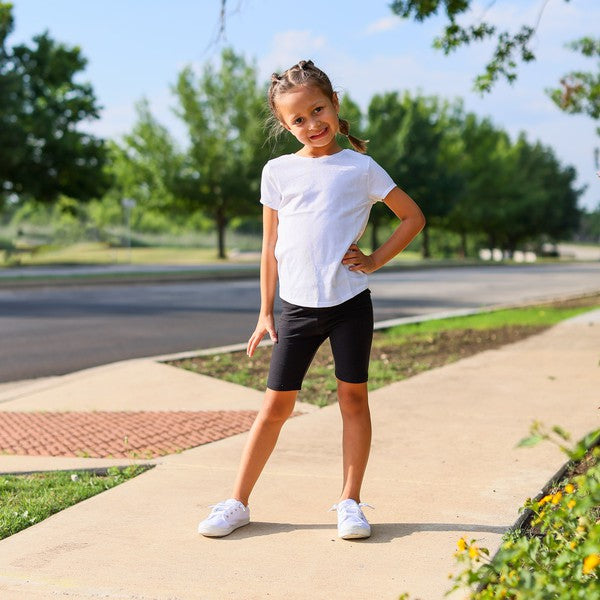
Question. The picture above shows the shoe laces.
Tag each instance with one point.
(350, 508)
(226, 508)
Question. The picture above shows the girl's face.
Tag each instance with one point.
(312, 118)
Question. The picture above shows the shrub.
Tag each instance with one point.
(558, 556)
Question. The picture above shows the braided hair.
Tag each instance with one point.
(306, 73)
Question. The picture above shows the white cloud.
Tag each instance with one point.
(287, 48)
(384, 24)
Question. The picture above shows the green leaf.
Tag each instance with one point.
(532, 440)
(565, 435)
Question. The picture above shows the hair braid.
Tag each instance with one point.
(357, 143)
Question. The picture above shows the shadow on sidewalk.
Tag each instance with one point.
(382, 533)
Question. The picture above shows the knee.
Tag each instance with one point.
(276, 409)
(353, 402)
(274, 414)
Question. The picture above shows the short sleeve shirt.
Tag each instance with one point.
(323, 206)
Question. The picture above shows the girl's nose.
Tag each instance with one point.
(315, 123)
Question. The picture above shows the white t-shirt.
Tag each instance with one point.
(323, 207)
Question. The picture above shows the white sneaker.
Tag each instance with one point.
(352, 524)
(224, 518)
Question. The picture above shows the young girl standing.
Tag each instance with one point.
(316, 207)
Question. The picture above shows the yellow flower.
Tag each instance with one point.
(571, 503)
(572, 545)
(556, 498)
(544, 500)
(462, 544)
(569, 488)
(590, 562)
(473, 551)
(580, 528)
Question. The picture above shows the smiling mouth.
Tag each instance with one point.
(319, 135)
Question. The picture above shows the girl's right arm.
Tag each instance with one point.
(268, 281)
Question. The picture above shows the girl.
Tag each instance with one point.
(316, 206)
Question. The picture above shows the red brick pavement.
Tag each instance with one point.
(116, 434)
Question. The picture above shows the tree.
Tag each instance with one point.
(481, 160)
(589, 226)
(510, 47)
(544, 202)
(223, 112)
(146, 165)
(42, 153)
(580, 91)
(527, 195)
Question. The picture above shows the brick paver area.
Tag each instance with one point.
(116, 434)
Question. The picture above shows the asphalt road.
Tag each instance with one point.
(55, 330)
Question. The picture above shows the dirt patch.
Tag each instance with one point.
(391, 359)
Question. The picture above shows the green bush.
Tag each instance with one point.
(558, 557)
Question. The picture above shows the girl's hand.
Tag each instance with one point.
(266, 324)
(357, 261)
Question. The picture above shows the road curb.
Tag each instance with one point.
(126, 279)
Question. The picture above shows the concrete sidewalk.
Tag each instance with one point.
(443, 465)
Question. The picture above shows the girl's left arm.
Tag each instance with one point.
(412, 222)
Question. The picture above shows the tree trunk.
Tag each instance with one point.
(511, 247)
(221, 222)
(463, 244)
(426, 250)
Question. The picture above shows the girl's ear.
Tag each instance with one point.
(335, 101)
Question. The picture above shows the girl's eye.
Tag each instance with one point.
(318, 109)
(298, 121)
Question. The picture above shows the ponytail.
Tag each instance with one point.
(358, 144)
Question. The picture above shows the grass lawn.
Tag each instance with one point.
(28, 499)
(96, 253)
(400, 352)
(92, 253)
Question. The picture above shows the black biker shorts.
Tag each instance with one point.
(301, 330)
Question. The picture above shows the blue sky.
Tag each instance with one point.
(135, 49)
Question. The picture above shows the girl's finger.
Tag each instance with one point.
(254, 341)
(252, 348)
(249, 344)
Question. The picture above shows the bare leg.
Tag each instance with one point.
(276, 408)
(354, 405)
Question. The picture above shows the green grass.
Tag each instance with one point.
(28, 499)
(95, 253)
(535, 316)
